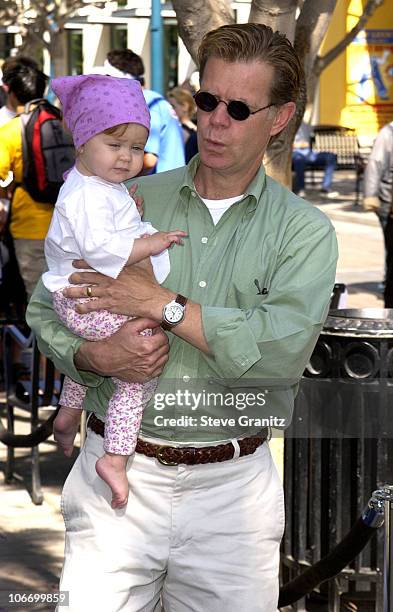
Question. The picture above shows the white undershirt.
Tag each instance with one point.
(218, 207)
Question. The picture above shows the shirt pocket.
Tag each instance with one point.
(250, 287)
(246, 296)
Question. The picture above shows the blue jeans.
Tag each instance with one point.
(302, 158)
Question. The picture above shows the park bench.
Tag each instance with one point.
(343, 142)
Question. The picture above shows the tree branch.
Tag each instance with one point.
(369, 10)
(311, 28)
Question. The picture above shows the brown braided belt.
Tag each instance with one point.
(189, 455)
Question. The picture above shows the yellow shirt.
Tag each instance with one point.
(29, 219)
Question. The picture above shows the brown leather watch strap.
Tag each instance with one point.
(180, 299)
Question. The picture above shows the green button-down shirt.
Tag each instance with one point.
(263, 277)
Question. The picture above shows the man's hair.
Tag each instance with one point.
(255, 41)
(127, 61)
(183, 96)
(24, 78)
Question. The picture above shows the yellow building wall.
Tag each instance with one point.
(333, 78)
(347, 97)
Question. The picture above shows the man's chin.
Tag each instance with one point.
(213, 160)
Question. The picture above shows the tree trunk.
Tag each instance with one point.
(311, 28)
(197, 17)
(278, 157)
(58, 53)
(279, 15)
(31, 47)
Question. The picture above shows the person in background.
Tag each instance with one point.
(388, 292)
(378, 181)
(3, 97)
(10, 108)
(243, 305)
(8, 111)
(30, 219)
(164, 148)
(184, 106)
(303, 156)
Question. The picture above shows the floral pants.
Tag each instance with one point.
(125, 408)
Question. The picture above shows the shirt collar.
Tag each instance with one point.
(252, 194)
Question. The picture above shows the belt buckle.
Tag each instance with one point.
(160, 456)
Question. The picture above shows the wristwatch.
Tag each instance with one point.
(173, 313)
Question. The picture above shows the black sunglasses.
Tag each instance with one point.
(235, 108)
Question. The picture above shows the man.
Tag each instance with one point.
(7, 112)
(245, 301)
(303, 156)
(164, 149)
(378, 181)
(388, 293)
(11, 103)
(29, 219)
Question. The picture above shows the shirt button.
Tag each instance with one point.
(204, 239)
(186, 378)
(193, 194)
(202, 283)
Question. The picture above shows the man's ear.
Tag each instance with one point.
(283, 117)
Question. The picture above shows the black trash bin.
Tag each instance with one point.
(338, 449)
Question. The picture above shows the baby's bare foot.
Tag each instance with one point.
(65, 428)
(112, 469)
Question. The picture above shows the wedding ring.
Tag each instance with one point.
(89, 291)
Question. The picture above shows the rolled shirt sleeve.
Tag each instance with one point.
(275, 339)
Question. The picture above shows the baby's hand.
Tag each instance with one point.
(163, 240)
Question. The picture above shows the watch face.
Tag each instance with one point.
(174, 313)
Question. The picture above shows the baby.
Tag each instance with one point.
(96, 219)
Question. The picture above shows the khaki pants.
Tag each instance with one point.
(199, 538)
(31, 261)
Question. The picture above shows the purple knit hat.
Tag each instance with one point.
(93, 103)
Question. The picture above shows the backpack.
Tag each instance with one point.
(47, 150)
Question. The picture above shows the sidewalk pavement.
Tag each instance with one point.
(342, 206)
(32, 537)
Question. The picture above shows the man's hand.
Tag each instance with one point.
(135, 292)
(371, 203)
(127, 355)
